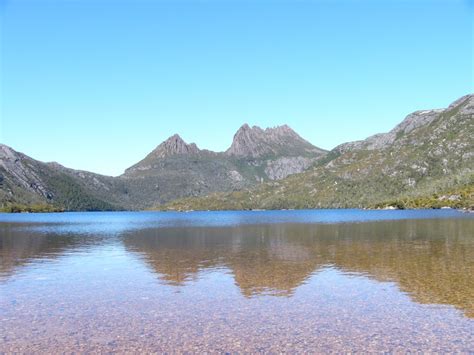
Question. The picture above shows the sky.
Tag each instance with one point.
(97, 84)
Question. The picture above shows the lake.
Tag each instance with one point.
(323, 280)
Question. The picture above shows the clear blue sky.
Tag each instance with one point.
(98, 84)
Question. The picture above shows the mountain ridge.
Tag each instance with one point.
(429, 152)
(174, 169)
(255, 142)
(272, 168)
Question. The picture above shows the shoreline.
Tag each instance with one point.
(390, 208)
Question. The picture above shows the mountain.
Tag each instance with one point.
(426, 160)
(26, 181)
(174, 145)
(254, 142)
(429, 153)
(462, 108)
(174, 169)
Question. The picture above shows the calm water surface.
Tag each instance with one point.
(327, 280)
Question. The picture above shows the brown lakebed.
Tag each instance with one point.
(329, 280)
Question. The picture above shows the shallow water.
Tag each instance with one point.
(330, 280)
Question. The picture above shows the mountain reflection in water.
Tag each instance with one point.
(430, 260)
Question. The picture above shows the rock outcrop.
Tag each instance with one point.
(174, 145)
(255, 142)
(26, 181)
(283, 167)
(22, 173)
(171, 147)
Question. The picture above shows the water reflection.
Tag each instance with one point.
(263, 259)
(431, 260)
(21, 246)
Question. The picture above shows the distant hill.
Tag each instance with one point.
(173, 170)
(428, 153)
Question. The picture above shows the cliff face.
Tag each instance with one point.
(21, 171)
(254, 142)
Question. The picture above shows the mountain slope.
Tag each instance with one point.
(176, 169)
(26, 181)
(430, 151)
(173, 170)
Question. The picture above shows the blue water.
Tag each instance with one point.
(244, 281)
(108, 222)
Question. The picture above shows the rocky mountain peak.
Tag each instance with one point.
(255, 142)
(281, 130)
(174, 145)
(248, 141)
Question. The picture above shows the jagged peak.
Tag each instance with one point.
(172, 146)
(247, 128)
(174, 139)
(256, 142)
(175, 145)
(283, 130)
(277, 130)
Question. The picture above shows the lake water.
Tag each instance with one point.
(328, 280)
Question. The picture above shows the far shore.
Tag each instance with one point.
(388, 208)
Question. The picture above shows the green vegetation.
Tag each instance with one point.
(425, 162)
(374, 193)
(414, 170)
(71, 196)
(34, 208)
(459, 198)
